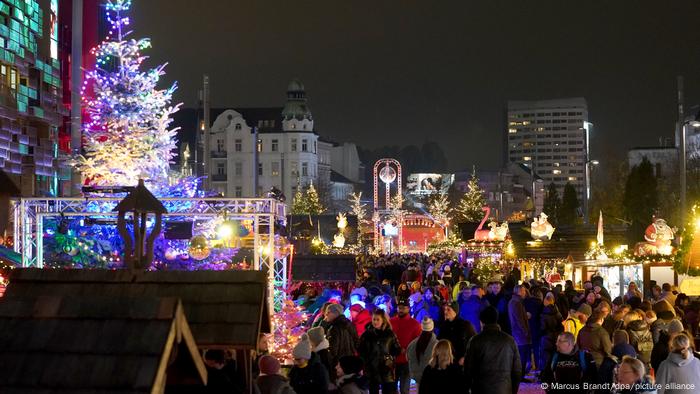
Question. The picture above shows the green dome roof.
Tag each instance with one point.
(296, 107)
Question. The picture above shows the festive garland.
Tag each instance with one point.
(687, 237)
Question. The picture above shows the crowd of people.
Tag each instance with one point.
(427, 319)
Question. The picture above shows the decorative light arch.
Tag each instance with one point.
(388, 171)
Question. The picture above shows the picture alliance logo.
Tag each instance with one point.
(638, 387)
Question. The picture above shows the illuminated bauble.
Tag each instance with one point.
(387, 174)
(281, 247)
(171, 254)
(70, 250)
(199, 247)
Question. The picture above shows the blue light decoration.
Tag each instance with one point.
(127, 137)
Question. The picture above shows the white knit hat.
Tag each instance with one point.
(427, 324)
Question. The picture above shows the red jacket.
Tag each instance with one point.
(406, 329)
(361, 320)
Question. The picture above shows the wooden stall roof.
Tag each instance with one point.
(95, 344)
(566, 241)
(226, 309)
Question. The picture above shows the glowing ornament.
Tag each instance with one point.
(70, 250)
(387, 174)
(171, 254)
(199, 248)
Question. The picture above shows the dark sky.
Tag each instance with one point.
(400, 72)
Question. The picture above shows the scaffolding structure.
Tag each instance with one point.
(265, 213)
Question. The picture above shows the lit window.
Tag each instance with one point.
(555, 164)
(260, 146)
(572, 178)
(556, 172)
(512, 131)
(275, 168)
(526, 122)
(527, 158)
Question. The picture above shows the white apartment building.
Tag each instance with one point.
(552, 137)
(287, 148)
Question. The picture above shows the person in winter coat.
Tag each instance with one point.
(406, 329)
(442, 374)
(594, 339)
(533, 304)
(350, 378)
(420, 350)
(665, 314)
(640, 337)
(341, 334)
(455, 330)
(360, 318)
(573, 323)
(631, 378)
(520, 327)
(497, 298)
(681, 368)
(568, 366)
(492, 362)
(378, 349)
(551, 327)
(307, 375)
(632, 291)
(432, 304)
(470, 309)
(662, 348)
(319, 346)
(270, 381)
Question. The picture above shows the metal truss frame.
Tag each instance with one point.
(29, 213)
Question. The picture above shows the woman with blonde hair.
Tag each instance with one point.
(378, 349)
(442, 374)
(680, 372)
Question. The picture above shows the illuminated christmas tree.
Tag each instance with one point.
(469, 208)
(307, 202)
(127, 135)
(299, 203)
(287, 331)
(439, 208)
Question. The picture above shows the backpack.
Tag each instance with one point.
(643, 344)
(581, 362)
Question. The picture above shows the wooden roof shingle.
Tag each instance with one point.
(96, 344)
(226, 309)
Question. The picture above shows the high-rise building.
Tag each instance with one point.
(552, 138)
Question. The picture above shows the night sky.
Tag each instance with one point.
(401, 72)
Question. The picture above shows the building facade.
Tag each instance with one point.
(32, 112)
(286, 150)
(664, 160)
(552, 137)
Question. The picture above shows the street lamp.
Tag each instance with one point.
(693, 122)
(587, 197)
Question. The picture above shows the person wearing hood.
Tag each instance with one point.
(681, 370)
(639, 337)
(350, 378)
(420, 350)
(270, 380)
(455, 330)
(340, 332)
(661, 348)
(470, 309)
(378, 350)
(319, 347)
(594, 339)
(307, 375)
(569, 365)
(360, 318)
